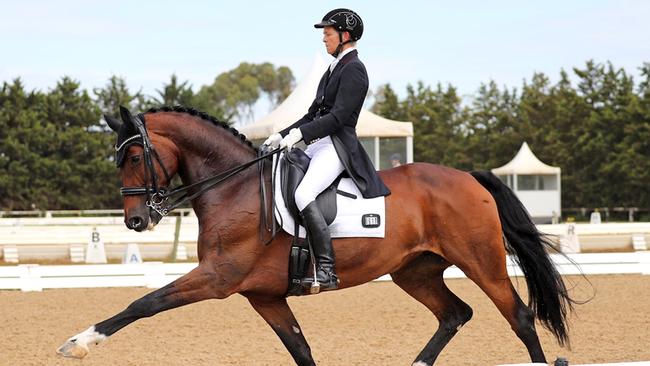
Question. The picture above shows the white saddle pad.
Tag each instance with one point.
(349, 213)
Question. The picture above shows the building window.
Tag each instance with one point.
(545, 182)
(392, 152)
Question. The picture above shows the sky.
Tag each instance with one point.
(462, 43)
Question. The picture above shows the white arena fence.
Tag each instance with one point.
(58, 238)
(61, 238)
(28, 239)
(31, 277)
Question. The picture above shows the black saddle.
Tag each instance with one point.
(294, 166)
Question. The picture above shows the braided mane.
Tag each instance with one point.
(206, 117)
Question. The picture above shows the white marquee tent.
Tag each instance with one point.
(536, 184)
(381, 137)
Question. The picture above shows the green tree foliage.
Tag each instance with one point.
(632, 158)
(491, 132)
(56, 154)
(387, 104)
(53, 155)
(608, 94)
(276, 83)
(597, 131)
(175, 93)
(436, 120)
(116, 93)
(234, 93)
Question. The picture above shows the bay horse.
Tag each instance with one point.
(435, 217)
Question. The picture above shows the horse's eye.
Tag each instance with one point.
(135, 159)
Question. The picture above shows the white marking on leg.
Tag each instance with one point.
(77, 346)
(296, 330)
(88, 337)
(419, 363)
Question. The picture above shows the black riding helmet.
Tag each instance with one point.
(343, 20)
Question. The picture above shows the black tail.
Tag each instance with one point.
(547, 294)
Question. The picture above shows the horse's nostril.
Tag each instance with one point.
(135, 222)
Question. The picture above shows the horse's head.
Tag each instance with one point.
(145, 171)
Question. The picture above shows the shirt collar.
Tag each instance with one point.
(340, 56)
(345, 52)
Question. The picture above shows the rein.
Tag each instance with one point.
(163, 205)
(161, 199)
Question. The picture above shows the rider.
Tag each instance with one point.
(328, 129)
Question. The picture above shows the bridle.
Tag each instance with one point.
(155, 194)
(163, 200)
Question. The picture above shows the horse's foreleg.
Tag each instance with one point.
(422, 279)
(279, 316)
(199, 284)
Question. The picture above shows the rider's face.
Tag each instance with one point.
(331, 39)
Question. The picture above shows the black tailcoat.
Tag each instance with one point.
(334, 113)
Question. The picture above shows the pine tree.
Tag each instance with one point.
(53, 151)
(174, 93)
(116, 93)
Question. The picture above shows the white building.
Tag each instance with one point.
(536, 184)
(382, 138)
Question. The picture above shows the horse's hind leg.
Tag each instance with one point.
(279, 316)
(494, 281)
(491, 275)
(422, 279)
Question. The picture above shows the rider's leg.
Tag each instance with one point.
(324, 168)
(323, 251)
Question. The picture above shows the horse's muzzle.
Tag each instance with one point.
(137, 222)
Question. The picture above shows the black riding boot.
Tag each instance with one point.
(322, 246)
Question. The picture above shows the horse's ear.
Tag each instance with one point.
(126, 115)
(113, 123)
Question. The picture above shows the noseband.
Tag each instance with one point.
(161, 199)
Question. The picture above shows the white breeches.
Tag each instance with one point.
(324, 168)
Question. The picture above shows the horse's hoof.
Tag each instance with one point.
(72, 349)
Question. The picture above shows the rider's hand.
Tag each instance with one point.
(273, 141)
(294, 137)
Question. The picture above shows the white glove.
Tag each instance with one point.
(273, 141)
(291, 139)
